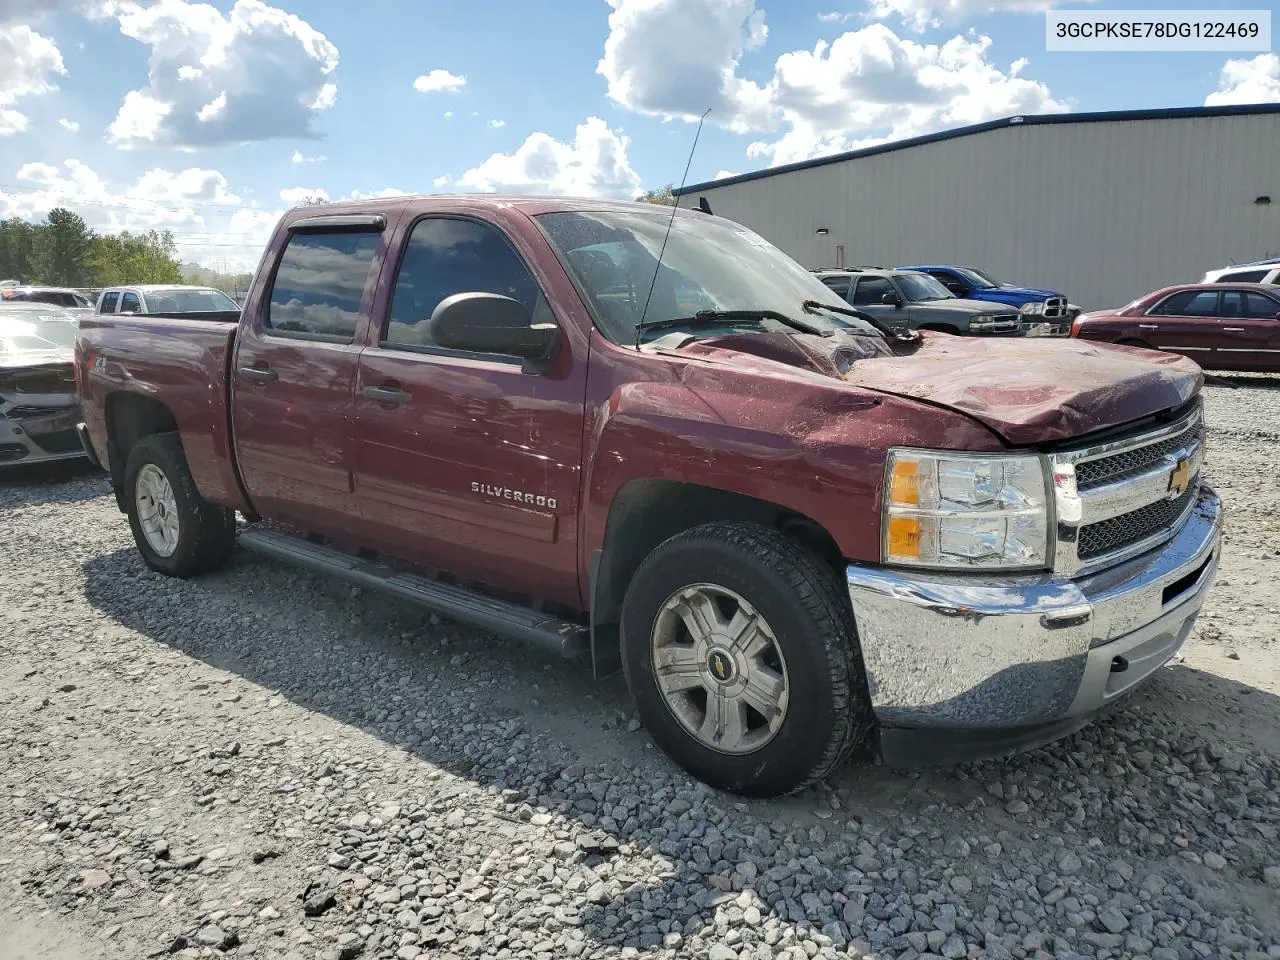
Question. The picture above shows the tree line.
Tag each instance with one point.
(62, 251)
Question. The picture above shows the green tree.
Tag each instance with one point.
(62, 249)
(17, 249)
(664, 196)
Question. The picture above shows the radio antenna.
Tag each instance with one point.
(675, 205)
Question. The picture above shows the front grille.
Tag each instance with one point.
(1130, 463)
(1108, 536)
(1055, 307)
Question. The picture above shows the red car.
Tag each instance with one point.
(1222, 326)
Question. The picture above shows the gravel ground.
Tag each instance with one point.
(264, 763)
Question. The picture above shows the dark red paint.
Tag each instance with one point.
(446, 479)
(1227, 341)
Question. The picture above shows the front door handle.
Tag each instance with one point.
(1148, 326)
(387, 394)
(1233, 329)
(259, 374)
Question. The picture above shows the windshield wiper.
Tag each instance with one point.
(813, 306)
(712, 318)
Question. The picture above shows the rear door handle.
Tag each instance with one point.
(262, 374)
(387, 394)
(1233, 329)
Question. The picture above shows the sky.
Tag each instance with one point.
(211, 119)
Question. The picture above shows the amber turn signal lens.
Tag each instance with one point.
(904, 487)
(904, 537)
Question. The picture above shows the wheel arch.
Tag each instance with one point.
(129, 418)
(645, 513)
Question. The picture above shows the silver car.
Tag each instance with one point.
(39, 409)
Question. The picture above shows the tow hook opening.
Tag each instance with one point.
(1119, 664)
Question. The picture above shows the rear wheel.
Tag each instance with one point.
(738, 646)
(178, 532)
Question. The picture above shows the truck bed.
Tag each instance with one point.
(181, 363)
(207, 316)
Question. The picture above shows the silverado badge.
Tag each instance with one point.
(1180, 478)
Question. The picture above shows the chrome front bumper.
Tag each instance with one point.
(996, 666)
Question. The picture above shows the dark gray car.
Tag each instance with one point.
(908, 300)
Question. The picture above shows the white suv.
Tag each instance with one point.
(1259, 271)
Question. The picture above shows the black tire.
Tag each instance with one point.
(807, 609)
(206, 531)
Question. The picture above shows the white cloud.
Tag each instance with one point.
(722, 174)
(1247, 81)
(255, 73)
(208, 220)
(919, 15)
(70, 126)
(382, 194)
(295, 195)
(448, 114)
(300, 157)
(673, 58)
(27, 10)
(594, 164)
(834, 17)
(441, 181)
(439, 81)
(28, 63)
(11, 121)
(497, 124)
(677, 58)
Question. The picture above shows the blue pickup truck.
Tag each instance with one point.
(1035, 305)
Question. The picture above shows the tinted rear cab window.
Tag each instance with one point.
(319, 285)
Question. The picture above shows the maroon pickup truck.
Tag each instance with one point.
(799, 536)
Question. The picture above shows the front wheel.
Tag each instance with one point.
(178, 532)
(738, 646)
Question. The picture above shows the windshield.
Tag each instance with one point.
(709, 264)
(976, 279)
(921, 286)
(189, 301)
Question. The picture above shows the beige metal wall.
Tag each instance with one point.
(1103, 211)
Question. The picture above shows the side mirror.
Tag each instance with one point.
(891, 300)
(490, 323)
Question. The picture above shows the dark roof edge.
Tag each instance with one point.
(1163, 113)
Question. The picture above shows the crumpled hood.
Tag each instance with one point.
(1030, 391)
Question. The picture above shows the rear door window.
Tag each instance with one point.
(110, 301)
(871, 290)
(129, 301)
(839, 284)
(319, 285)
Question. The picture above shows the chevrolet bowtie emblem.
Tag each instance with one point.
(1180, 478)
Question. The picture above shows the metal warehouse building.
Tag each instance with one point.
(1102, 207)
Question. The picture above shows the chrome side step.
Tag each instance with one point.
(563, 637)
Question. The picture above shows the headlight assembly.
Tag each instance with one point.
(1032, 309)
(959, 512)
